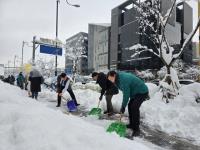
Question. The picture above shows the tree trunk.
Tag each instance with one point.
(168, 78)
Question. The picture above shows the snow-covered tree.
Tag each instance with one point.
(46, 67)
(146, 75)
(75, 51)
(153, 26)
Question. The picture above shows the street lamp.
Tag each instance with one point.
(72, 4)
(57, 2)
(9, 66)
(23, 43)
(14, 64)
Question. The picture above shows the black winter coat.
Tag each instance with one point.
(106, 85)
(35, 83)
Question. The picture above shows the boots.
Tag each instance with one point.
(136, 133)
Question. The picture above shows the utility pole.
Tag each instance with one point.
(57, 3)
(33, 55)
(9, 67)
(56, 61)
(22, 53)
(14, 64)
(199, 29)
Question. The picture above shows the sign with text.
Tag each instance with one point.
(46, 41)
(49, 49)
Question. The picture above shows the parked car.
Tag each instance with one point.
(156, 82)
(186, 82)
(181, 81)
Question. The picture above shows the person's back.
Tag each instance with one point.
(20, 80)
(135, 84)
(134, 94)
(107, 88)
(105, 83)
(36, 80)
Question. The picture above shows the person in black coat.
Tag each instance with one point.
(107, 88)
(36, 80)
(63, 84)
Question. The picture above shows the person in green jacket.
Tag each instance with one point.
(134, 94)
(20, 80)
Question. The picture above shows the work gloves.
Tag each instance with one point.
(122, 110)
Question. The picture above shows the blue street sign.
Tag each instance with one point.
(48, 49)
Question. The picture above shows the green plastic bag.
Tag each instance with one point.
(118, 127)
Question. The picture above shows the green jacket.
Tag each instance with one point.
(130, 85)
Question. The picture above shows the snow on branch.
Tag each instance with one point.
(75, 48)
(139, 59)
(138, 48)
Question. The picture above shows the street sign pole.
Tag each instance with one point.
(56, 61)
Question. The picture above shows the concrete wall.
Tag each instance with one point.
(173, 33)
(129, 37)
(115, 21)
(99, 47)
(90, 47)
(196, 54)
(188, 18)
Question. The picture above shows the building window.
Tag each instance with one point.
(122, 19)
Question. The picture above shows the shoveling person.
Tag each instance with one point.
(107, 88)
(36, 80)
(63, 84)
(134, 94)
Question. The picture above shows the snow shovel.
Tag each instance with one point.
(71, 106)
(95, 111)
(118, 126)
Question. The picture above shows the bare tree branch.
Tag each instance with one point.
(188, 40)
(168, 14)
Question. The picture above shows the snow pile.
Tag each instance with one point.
(146, 75)
(91, 85)
(89, 98)
(26, 124)
(180, 117)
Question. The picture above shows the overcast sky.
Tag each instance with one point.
(20, 20)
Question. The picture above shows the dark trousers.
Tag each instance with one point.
(71, 93)
(34, 95)
(109, 103)
(134, 110)
(21, 85)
